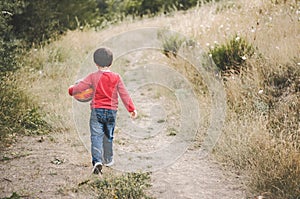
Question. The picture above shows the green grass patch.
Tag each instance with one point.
(13, 196)
(128, 185)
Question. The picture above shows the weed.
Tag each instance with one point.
(172, 132)
(171, 42)
(129, 185)
(13, 196)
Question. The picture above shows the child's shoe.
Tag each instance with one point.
(110, 163)
(97, 168)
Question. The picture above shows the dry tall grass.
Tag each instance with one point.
(261, 134)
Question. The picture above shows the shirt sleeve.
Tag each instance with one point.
(125, 97)
(81, 85)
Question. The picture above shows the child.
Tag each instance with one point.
(107, 86)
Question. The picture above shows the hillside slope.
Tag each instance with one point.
(259, 146)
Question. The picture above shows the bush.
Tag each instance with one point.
(37, 22)
(129, 186)
(232, 55)
(8, 45)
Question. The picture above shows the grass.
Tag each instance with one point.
(14, 196)
(261, 132)
(127, 185)
(20, 114)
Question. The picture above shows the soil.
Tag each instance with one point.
(53, 167)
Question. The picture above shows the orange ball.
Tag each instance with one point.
(84, 96)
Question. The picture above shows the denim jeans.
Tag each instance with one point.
(102, 125)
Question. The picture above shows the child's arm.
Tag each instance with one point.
(80, 86)
(126, 99)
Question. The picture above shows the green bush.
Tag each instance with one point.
(39, 21)
(8, 45)
(129, 186)
(232, 55)
(112, 11)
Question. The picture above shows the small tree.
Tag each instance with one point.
(39, 20)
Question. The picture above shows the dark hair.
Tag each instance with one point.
(103, 57)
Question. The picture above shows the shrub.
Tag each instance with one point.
(8, 45)
(231, 55)
(129, 186)
(38, 21)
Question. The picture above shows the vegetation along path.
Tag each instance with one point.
(56, 165)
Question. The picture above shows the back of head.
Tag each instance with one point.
(103, 57)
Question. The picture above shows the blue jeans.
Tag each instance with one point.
(102, 125)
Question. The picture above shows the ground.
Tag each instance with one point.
(53, 166)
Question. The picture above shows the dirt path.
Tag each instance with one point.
(52, 166)
(191, 178)
(43, 167)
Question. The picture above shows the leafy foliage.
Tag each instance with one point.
(22, 24)
(8, 45)
(40, 20)
(232, 55)
(143, 7)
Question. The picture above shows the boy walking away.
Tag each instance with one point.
(107, 85)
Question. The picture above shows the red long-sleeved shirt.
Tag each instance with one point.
(107, 85)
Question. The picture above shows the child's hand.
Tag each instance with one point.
(70, 90)
(133, 114)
